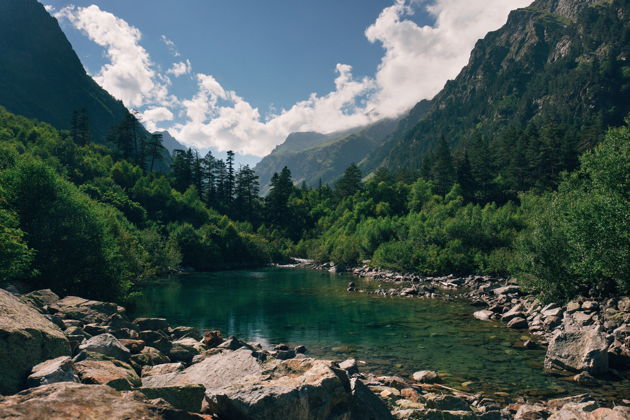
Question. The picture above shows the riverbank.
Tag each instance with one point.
(92, 357)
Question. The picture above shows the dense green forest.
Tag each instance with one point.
(99, 221)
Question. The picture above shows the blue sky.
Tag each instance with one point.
(250, 72)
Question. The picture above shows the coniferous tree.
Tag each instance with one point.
(277, 200)
(80, 127)
(442, 170)
(349, 183)
(247, 189)
(154, 149)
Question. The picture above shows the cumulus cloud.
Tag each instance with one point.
(49, 8)
(416, 63)
(129, 76)
(180, 69)
(152, 116)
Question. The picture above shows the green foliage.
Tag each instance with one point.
(15, 255)
(578, 241)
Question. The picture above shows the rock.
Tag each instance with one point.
(212, 339)
(350, 366)
(113, 373)
(585, 379)
(447, 415)
(76, 334)
(162, 369)
(366, 405)
(517, 323)
(426, 377)
(483, 315)
(590, 306)
(184, 397)
(186, 332)
(580, 411)
(515, 312)
(531, 412)
(283, 354)
(153, 324)
(87, 311)
(300, 350)
(553, 311)
(118, 322)
(507, 290)
(51, 371)
(107, 345)
(446, 402)
(64, 400)
(149, 356)
(314, 389)
(40, 298)
(215, 371)
(134, 346)
(27, 338)
(583, 350)
(156, 339)
(409, 291)
(530, 345)
(234, 343)
(393, 381)
(96, 329)
(410, 394)
(185, 349)
(624, 304)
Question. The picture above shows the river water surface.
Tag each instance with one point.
(392, 335)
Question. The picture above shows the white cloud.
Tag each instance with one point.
(416, 63)
(172, 48)
(152, 116)
(180, 69)
(49, 8)
(129, 76)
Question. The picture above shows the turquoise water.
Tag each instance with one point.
(392, 335)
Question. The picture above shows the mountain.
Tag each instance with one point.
(170, 143)
(560, 61)
(314, 157)
(41, 76)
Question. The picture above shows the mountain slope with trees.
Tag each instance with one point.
(564, 64)
(41, 76)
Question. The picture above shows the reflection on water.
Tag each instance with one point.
(393, 335)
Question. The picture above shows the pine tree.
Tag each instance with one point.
(442, 170)
(80, 127)
(155, 149)
(349, 183)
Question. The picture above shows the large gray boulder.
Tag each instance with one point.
(60, 369)
(114, 373)
(583, 350)
(366, 405)
(66, 400)
(27, 338)
(85, 310)
(108, 345)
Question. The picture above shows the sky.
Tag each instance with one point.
(243, 74)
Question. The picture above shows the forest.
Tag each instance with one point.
(101, 221)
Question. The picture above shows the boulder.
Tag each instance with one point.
(234, 343)
(185, 349)
(61, 401)
(531, 412)
(162, 369)
(134, 346)
(350, 366)
(577, 351)
(27, 338)
(446, 402)
(156, 339)
(212, 339)
(107, 345)
(515, 312)
(51, 371)
(298, 388)
(113, 373)
(426, 377)
(366, 405)
(183, 397)
(87, 311)
(186, 332)
(40, 298)
(154, 324)
(483, 315)
(517, 323)
(149, 356)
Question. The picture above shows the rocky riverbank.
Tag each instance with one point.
(78, 358)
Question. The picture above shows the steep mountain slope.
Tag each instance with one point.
(566, 61)
(41, 76)
(169, 142)
(315, 157)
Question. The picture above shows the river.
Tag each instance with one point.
(392, 335)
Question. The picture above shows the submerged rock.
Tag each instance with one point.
(27, 338)
(426, 376)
